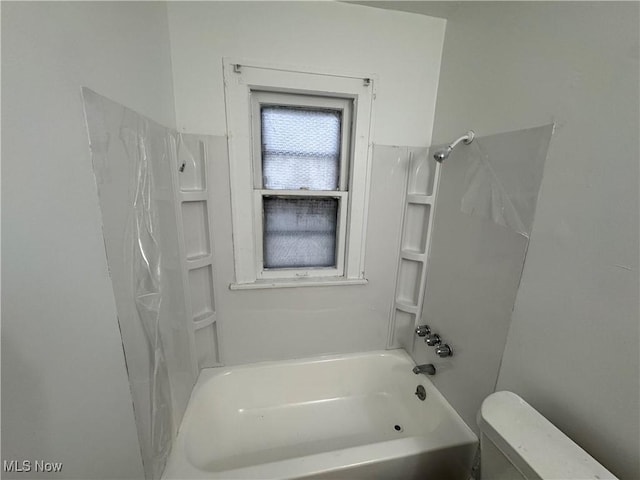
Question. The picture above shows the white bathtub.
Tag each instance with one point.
(346, 416)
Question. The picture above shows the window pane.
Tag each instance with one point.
(300, 148)
(300, 232)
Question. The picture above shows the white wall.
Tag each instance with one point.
(404, 51)
(65, 394)
(572, 349)
(573, 346)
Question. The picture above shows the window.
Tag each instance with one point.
(301, 157)
(299, 166)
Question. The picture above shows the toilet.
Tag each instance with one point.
(517, 442)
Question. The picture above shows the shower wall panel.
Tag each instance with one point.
(132, 159)
(486, 201)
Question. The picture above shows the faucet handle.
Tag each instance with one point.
(433, 340)
(423, 330)
(444, 351)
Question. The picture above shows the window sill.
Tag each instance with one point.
(298, 282)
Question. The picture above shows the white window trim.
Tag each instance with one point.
(241, 78)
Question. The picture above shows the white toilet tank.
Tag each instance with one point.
(516, 442)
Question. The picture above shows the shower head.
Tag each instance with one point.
(442, 154)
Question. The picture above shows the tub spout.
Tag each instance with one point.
(427, 368)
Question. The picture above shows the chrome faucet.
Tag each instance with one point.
(422, 330)
(427, 368)
(433, 339)
(444, 351)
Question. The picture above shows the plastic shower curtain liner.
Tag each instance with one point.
(504, 176)
(132, 157)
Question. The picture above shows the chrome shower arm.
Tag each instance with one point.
(443, 154)
(466, 138)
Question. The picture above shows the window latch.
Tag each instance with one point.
(237, 68)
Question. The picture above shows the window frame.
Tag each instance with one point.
(245, 83)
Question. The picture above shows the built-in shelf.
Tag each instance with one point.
(420, 199)
(413, 255)
(195, 221)
(204, 320)
(415, 230)
(193, 196)
(192, 199)
(192, 162)
(199, 261)
(422, 186)
(423, 172)
(201, 290)
(206, 341)
(406, 307)
(408, 286)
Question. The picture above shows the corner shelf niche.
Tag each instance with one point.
(193, 198)
(196, 229)
(422, 188)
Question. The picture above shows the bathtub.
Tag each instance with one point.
(343, 416)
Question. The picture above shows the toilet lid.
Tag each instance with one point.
(532, 443)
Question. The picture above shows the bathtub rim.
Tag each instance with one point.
(211, 372)
(315, 464)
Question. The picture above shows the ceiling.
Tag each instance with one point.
(442, 9)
